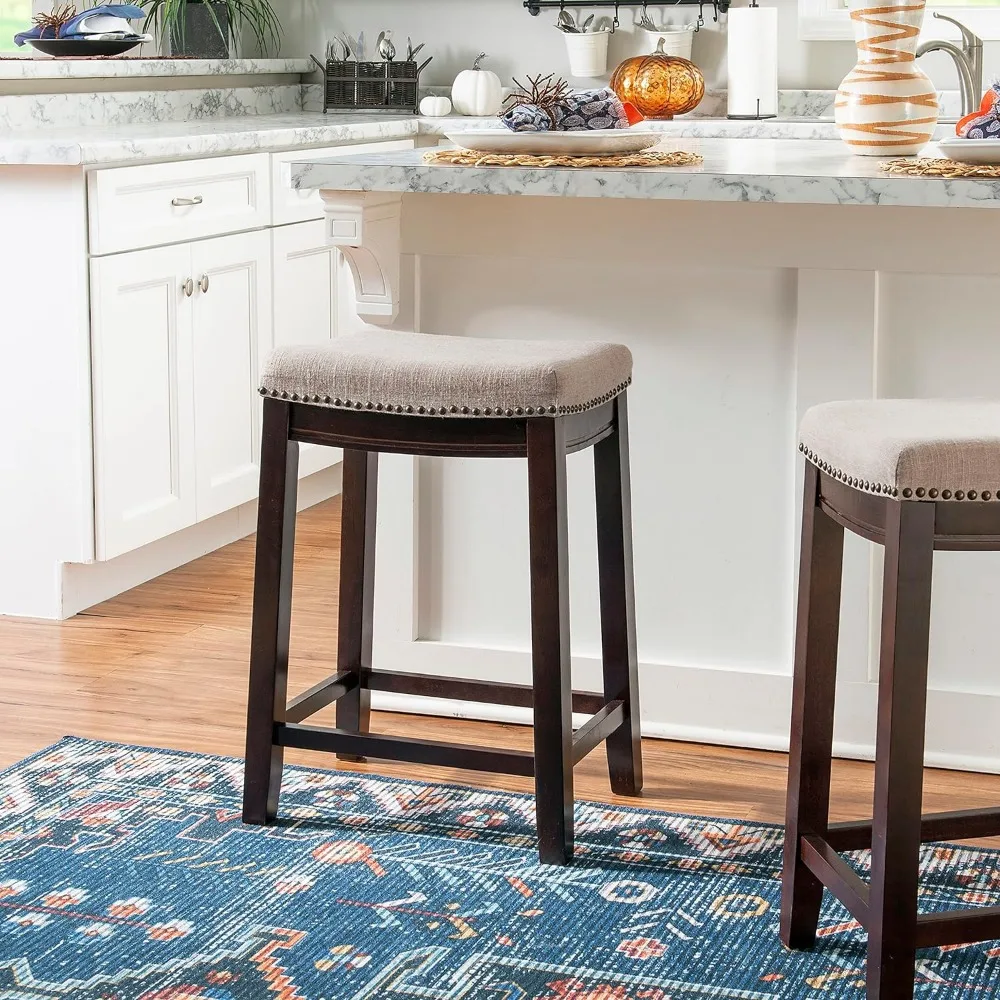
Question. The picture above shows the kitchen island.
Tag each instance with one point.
(777, 274)
(135, 182)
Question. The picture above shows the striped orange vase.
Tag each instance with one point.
(886, 106)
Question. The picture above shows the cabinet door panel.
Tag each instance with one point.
(143, 407)
(306, 274)
(231, 334)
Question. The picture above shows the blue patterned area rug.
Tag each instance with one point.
(125, 874)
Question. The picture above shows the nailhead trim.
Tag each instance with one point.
(444, 411)
(883, 489)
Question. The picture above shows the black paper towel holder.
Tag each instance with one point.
(751, 118)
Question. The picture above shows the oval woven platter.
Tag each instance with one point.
(467, 158)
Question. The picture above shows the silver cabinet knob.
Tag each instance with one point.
(188, 287)
(203, 282)
(181, 202)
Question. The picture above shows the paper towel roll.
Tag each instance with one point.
(753, 62)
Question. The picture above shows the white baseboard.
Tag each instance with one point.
(87, 584)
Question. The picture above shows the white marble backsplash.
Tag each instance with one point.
(134, 143)
(145, 106)
(805, 103)
(791, 103)
(800, 112)
(819, 103)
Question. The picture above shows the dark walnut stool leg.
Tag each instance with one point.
(272, 606)
(899, 750)
(357, 590)
(617, 589)
(553, 693)
(890, 914)
(813, 693)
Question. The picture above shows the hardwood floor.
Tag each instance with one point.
(166, 665)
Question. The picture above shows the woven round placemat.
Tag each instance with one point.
(927, 167)
(468, 158)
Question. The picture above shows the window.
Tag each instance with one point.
(15, 16)
(829, 19)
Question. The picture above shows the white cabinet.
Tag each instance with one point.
(231, 336)
(306, 274)
(177, 336)
(144, 453)
(179, 331)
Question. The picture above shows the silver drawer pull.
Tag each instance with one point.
(203, 282)
(188, 287)
(181, 202)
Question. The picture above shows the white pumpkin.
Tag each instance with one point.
(477, 91)
(435, 107)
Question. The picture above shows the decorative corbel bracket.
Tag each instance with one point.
(365, 226)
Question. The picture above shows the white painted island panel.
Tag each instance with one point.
(724, 378)
(933, 342)
(739, 318)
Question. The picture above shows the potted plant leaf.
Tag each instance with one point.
(208, 30)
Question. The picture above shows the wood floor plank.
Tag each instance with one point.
(166, 665)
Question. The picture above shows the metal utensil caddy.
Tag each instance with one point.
(370, 86)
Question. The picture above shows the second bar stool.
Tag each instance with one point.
(915, 476)
(423, 394)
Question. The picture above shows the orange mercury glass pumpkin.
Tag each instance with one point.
(659, 85)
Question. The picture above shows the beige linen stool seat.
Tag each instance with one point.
(448, 396)
(915, 476)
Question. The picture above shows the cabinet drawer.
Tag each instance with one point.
(290, 205)
(154, 204)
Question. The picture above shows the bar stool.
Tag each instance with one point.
(915, 476)
(419, 394)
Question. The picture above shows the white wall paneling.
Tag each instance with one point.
(739, 318)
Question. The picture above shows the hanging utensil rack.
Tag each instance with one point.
(535, 7)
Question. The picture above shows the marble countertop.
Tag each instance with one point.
(36, 68)
(214, 136)
(790, 171)
(208, 137)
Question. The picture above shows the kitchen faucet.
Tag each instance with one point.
(968, 61)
